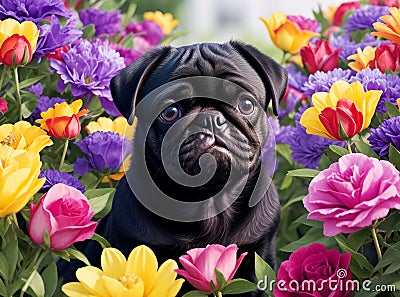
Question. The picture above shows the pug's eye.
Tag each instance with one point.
(170, 114)
(246, 106)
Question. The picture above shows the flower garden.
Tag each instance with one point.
(64, 146)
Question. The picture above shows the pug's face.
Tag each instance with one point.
(209, 104)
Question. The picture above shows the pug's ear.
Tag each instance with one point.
(273, 75)
(126, 86)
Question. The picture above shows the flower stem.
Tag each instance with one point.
(349, 146)
(38, 259)
(3, 73)
(283, 58)
(376, 242)
(18, 92)
(64, 153)
(102, 176)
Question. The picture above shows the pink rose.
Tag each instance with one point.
(314, 271)
(305, 23)
(200, 265)
(352, 193)
(65, 213)
(3, 106)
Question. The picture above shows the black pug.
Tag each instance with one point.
(232, 130)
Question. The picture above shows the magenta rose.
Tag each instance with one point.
(65, 213)
(200, 264)
(352, 193)
(314, 271)
(3, 106)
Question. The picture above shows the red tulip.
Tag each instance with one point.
(387, 56)
(16, 50)
(390, 3)
(320, 56)
(64, 127)
(58, 53)
(342, 10)
(344, 122)
(3, 106)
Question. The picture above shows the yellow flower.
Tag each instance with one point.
(285, 34)
(139, 276)
(342, 112)
(329, 13)
(398, 103)
(165, 20)
(119, 125)
(62, 121)
(23, 136)
(362, 58)
(28, 29)
(19, 171)
(391, 29)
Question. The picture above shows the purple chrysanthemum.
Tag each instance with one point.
(296, 79)
(104, 151)
(36, 89)
(54, 177)
(88, 68)
(322, 81)
(349, 47)
(363, 18)
(307, 149)
(32, 10)
(375, 80)
(384, 135)
(105, 23)
(53, 36)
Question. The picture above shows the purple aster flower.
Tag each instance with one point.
(147, 34)
(296, 78)
(36, 89)
(105, 23)
(322, 81)
(349, 47)
(104, 151)
(54, 177)
(32, 10)
(88, 67)
(375, 80)
(363, 18)
(53, 36)
(384, 135)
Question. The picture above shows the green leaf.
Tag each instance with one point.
(3, 289)
(46, 239)
(238, 286)
(30, 81)
(127, 41)
(286, 183)
(392, 255)
(221, 281)
(101, 240)
(312, 235)
(88, 180)
(312, 223)
(338, 150)
(292, 201)
(370, 289)
(100, 200)
(35, 283)
(390, 223)
(195, 294)
(357, 239)
(129, 14)
(304, 173)
(264, 273)
(355, 256)
(4, 270)
(394, 156)
(29, 102)
(365, 149)
(320, 17)
(66, 167)
(50, 278)
(392, 110)
(75, 254)
(88, 32)
(285, 151)
(11, 252)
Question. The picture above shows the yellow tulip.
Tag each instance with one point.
(362, 58)
(19, 171)
(391, 28)
(28, 29)
(285, 34)
(165, 20)
(137, 276)
(342, 112)
(23, 136)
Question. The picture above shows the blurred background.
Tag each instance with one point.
(222, 20)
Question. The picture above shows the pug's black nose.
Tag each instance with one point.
(213, 120)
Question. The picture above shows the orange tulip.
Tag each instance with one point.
(391, 29)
